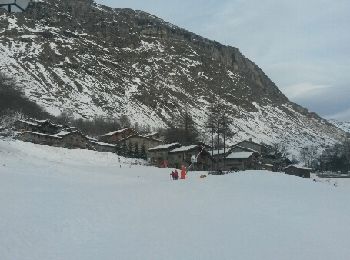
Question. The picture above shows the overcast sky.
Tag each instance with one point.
(302, 45)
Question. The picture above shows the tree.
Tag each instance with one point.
(219, 124)
(136, 151)
(279, 150)
(182, 130)
(130, 151)
(308, 155)
(13, 99)
(124, 121)
(124, 150)
(143, 154)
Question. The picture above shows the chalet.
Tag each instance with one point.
(194, 157)
(241, 161)
(39, 138)
(39, 126)
(252, 145)
(102, 147)
(155, 135)
(219, 155)
(116, 136)
(298, 171)
(73, 139)
(267, 167)
(63, 139)
(159, 155)
(138, 144)
(238, 148)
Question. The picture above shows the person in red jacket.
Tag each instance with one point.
(183, 172)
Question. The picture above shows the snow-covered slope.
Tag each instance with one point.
(61, 204)
(94, 60)
(345, 126)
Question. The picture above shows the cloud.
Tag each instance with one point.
(342, 115)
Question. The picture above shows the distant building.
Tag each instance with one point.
(63, 139)
(155, 135)
(298, 171)
(102, 147)
(40, 126)
(241, 161)
(159, 155)
(137, 145)
(194, 157)
(252, 145)
(116, 136)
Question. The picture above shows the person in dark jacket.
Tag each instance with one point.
(176, 175)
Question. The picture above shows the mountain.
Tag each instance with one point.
(343, 125)
(95, 60)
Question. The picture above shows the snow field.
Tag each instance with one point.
(78, 204)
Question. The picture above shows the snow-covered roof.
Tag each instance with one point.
(164, 147)
(28, 123)
(240, 155)
(244, 148)
(40, 121)
(250, 141)
(41, 134)
(184, 148)
(103, 144)
(116, 132)
(63, 133)
(151, 134)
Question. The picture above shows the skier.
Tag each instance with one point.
(183, 172)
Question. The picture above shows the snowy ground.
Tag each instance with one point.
(78, 204)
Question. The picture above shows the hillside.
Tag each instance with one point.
(80, 205)
(343, 125)
(94, 60)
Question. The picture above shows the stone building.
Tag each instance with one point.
(73, 139)
(241, 161)
(102, 147)
(116, 136)
(252, 145)
(39, 138)
(159, 155)
(39, 126)
(137, 145)
(194, 157)
(298, 171)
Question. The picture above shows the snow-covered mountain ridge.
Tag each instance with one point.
(94, 60)
(343, 125)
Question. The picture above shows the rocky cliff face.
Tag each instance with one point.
(94, 60)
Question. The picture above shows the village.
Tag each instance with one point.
(127, 142)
